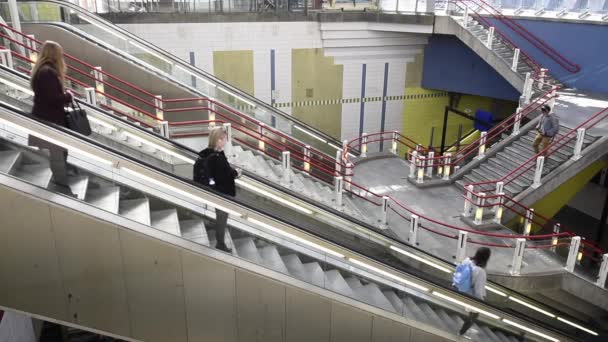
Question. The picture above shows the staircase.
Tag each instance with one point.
(136, 205)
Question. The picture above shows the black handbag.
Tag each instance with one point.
(77, 119)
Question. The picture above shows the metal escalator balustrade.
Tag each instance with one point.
(148, 197)
(132, 205)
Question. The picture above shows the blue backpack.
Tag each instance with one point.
(463, 278)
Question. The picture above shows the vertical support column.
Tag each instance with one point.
(446, 166)
(338, 187)
(575, 244)
(338, 166)
(528, 221)
(538, 173)
(384, 213)
(90, 96)
(261, 143)
(31, 49)
(395, 143)
(482, 145)
(414, 224)
(420, 161)
(556, 229)
(6, 58)
(429, 164)
(211, 113)
(601, 278)
(517, 123)
(158, 104)
(481, 202)
(578, 146)
(490, 38)
(498, 208)
(364, 145)
(413, 164)
(307, 159)
(465, 17)
(228, 129)
(164, 129)
(468, 201)
(515, 60)
(99, 85)
(286, 166)
(461, 251)
(518, 256)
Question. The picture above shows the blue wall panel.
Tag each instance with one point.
(450, 65)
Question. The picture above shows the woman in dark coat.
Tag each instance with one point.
(50, 99)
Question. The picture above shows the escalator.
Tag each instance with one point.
(133, 256)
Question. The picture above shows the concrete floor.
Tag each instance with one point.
(573, 108)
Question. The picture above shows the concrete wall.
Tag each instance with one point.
(585, 44)
(450, 65)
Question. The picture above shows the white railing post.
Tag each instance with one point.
(578, 146)
(261, 143)
(338, 187)
(468, 202)
(211, 116)
(429, 164)
(348, 175)
(551, 102)
(90, 96)
(518, 256)
(461, 249)
(515, 60)
(286, 166)
(338, 166)
(164, 129)
(6, 58)
(99, 85)
(384, 213)
(490, 38)
(554, 240)
(228, 129)
(575, 244)
(446, 166)
(307, 159)
(482, 145)
(414, 224)
(498, 208)
(158, 104)
(541, 76)
(538, 173)
(528, 221)
(517, 123)
(413, 164)
(420, 161)
(528, 88)
(465, 18)
(364, 145)
(481, 201)
(395, 144)
(601, 278)
(32, 52)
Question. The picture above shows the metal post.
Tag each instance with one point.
(364, 145)
(414, 224)
(307, 159)
(338, 166)
(413, 164)
(286, 165)
(459, 140)
(91, 97)
(601, 278)
(481, 201)
(556, 229)
(528, 221)
(468, 202)
(540, 161)
(99, 85)
(575, 244)
(6, 58)
(211, 115)
(395, 145)
(228, 129)
(528, 88)
(517, 123)
(518, 256)
(164, 129)
(338, 186)
(261, 143)
(515, 60)
(482, 145)
(499, 190)
(31, 50)
(446, 166)
(348, 172)
(445, 129)
(498, 208)
(578, 146)
(158, 104)
(551, 102)
(15, 20)
(490, 38)
(420, 161)
(465, 17)
(541, 77)
(461, 250)
(429, 164)
(384, 208)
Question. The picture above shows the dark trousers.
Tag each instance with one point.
(58, 162)
(221, 221)
(468, 322)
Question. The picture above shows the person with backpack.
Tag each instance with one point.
(212, 169)
(470, 278)
(546, 129)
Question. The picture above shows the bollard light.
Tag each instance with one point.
(261, 143)
(528, 221)
(307, 158)
(479, 210)
(211, 120)
(364, 145)
(394, 143)
(413, 164)
(420, 171)
(446, 169)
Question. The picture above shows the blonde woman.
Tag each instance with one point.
(50, 99)
(212, 169)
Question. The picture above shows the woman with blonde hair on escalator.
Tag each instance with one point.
(50, 98)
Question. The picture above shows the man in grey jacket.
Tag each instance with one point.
(546, 129)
